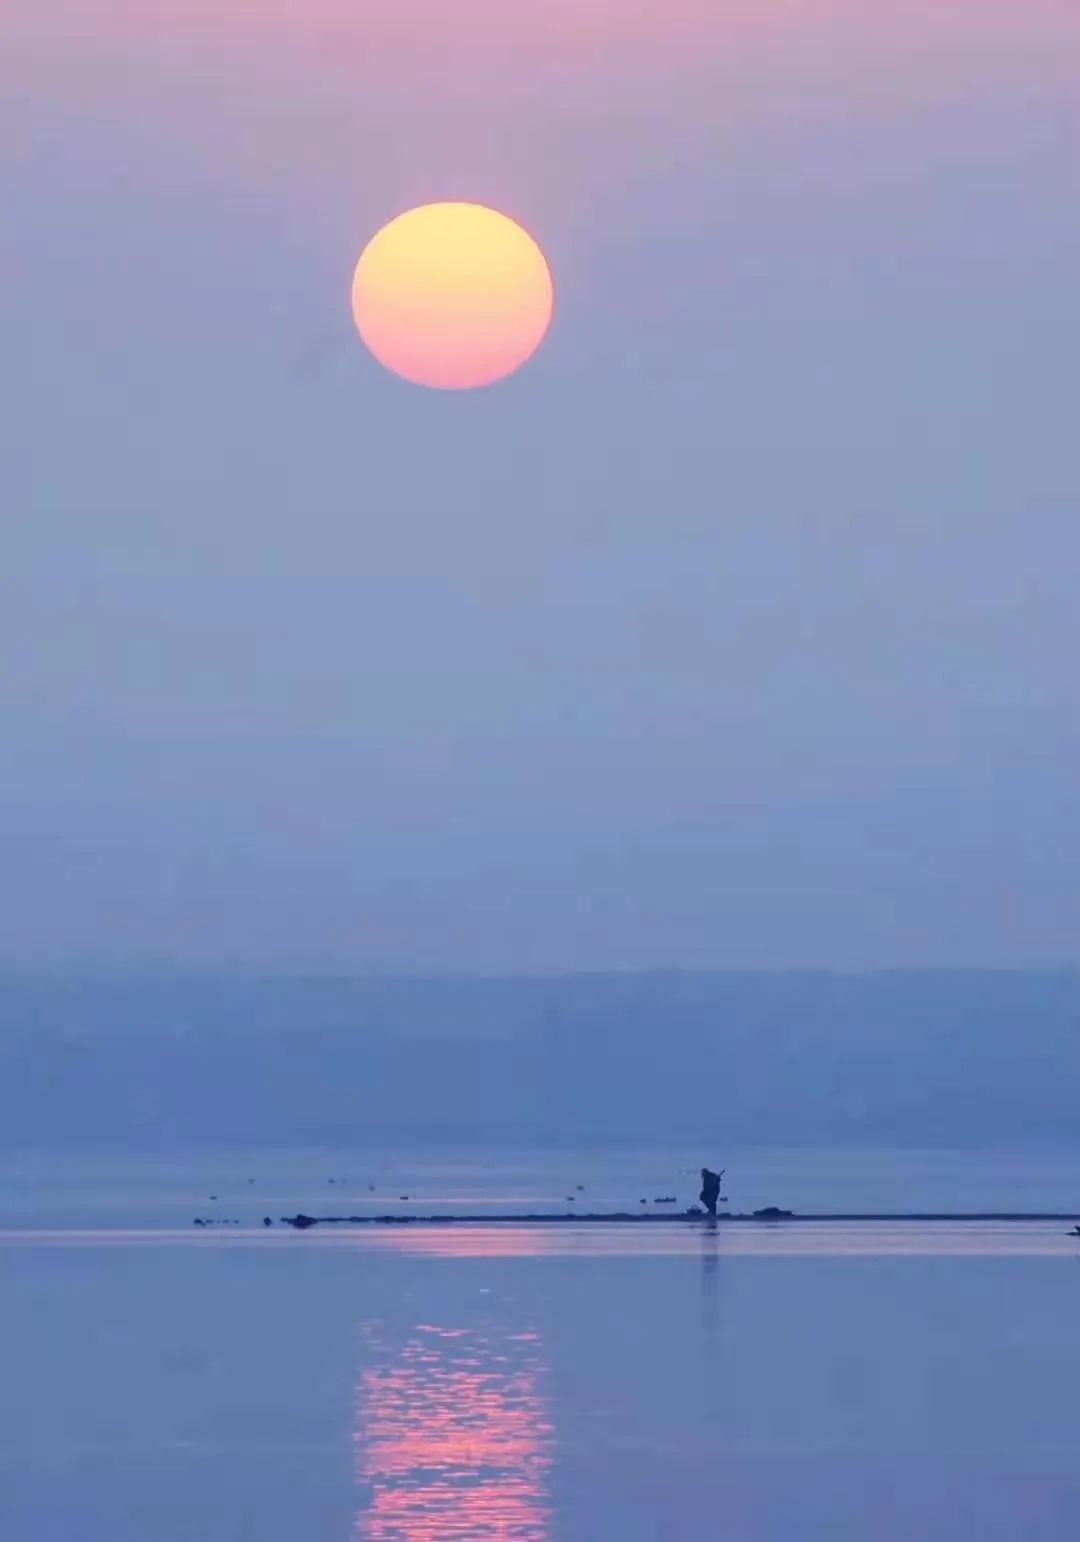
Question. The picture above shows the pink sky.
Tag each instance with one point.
(532, 33)
(511, 100)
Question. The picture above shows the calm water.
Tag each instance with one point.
(49, 1189)
(758, 1384)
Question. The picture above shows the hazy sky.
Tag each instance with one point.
(741, 628)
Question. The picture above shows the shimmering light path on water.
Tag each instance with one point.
(453, 1435)
(732, 1239)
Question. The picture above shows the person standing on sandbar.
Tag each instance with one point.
(710, 1190)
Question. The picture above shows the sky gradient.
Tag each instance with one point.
(740, 629)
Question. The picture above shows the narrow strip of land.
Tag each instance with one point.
(628, 1218)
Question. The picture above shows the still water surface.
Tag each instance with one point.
(751, 1384)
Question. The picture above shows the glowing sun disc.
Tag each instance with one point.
(453, 296)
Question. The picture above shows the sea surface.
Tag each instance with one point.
(242, 1383)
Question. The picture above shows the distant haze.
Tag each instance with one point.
(919, 1059)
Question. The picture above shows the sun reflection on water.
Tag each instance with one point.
(453, 1438)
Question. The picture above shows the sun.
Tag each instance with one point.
(453, 296)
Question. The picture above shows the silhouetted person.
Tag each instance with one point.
(710, 1189)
